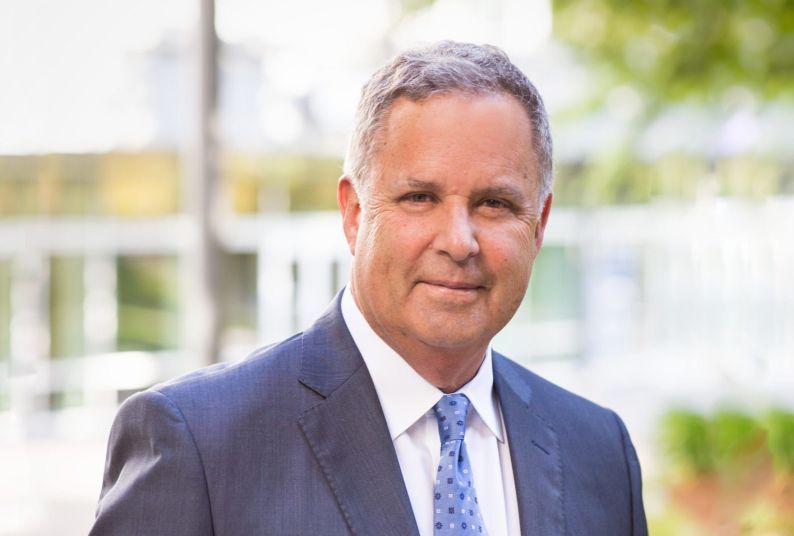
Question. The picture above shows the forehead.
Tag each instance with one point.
(445, 109)
(457, 133)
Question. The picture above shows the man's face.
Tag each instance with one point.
(448, 223)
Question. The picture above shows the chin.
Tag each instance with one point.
(450, 336)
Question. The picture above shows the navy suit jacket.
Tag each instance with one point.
(293, 441)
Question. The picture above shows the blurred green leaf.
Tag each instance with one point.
(675, 49)
(685, 437)
(697, 53)
(728, 442)
(735, 434)
(739, 444)
(780, 426)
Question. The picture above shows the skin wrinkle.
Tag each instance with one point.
(445, 232)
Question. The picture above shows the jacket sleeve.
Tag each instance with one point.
(154, 481)
(639, 526)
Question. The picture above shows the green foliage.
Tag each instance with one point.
(686, 438)
(732, 473)
(664, 52)
(781, 439)
(738, 442)
(728, 441)
(675, 49)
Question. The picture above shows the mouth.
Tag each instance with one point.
(459, 286)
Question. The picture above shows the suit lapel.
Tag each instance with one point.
(348, 435)
(534, 453)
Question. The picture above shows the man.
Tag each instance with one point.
(391, 414)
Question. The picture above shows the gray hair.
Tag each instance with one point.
(445, 67)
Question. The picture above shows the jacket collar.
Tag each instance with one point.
(347, 432)
(534, 452)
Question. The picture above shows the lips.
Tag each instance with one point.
(452, 285)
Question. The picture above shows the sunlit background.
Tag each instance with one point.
(167, 196)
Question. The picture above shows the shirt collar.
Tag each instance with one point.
(404, 395)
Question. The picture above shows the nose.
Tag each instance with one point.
(456, 234)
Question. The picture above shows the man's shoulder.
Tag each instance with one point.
(274, 375)
(264, 371)
(550, 400)
(584, 429)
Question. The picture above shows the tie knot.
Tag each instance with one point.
(451, 413)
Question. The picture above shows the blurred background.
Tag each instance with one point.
(167, 200)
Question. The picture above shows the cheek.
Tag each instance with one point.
(512, 252)
(371, 235)
(384, 243)
(399, 236)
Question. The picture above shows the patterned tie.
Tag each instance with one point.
(456, 509)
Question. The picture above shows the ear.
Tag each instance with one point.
(544, 218)
(350, 207)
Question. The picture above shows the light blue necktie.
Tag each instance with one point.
(455, 506)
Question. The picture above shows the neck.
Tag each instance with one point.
(445, 364)
(448, 369)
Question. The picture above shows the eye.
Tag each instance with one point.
(418, 197)
(494, 203)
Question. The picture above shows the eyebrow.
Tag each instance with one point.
(503, 190)
(418, 184)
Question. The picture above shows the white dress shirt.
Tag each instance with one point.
(407, 400)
